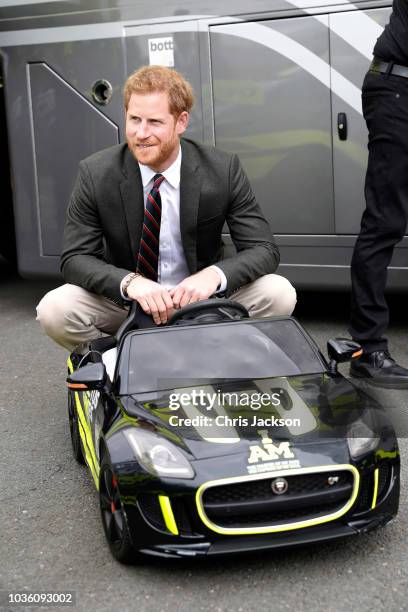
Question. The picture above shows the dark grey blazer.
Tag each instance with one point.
(105, 215)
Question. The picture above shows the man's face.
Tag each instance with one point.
(152, 132)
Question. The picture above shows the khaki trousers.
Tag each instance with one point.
(73, 316)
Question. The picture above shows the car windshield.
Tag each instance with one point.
(159, 359)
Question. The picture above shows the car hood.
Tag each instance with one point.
(226, 418)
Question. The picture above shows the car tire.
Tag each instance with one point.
(74, 429)
(113, 515)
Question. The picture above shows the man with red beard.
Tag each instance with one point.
(145, 223)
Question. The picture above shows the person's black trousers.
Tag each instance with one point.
(384, 221)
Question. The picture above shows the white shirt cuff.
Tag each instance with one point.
(223, 284)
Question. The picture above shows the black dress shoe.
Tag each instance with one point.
(380, 369)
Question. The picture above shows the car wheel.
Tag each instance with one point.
(74, 429)
(113, 516)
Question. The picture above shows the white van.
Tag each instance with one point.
(278, 82)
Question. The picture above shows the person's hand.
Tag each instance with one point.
(195, 288)
(154, 299)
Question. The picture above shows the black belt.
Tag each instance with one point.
(378, 65)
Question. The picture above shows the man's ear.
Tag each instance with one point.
(182, 122)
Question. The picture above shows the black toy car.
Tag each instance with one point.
(220, 434)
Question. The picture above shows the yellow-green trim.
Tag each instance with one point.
(87, 442)
(382, 454)
(284, 527)
(85, 433)
(375, 492)
(70, 365)
(168, 515)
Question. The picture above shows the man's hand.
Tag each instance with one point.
(152, 297)
(195, 288)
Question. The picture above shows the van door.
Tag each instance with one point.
(53, 122)
(271, 91)
(352, 38)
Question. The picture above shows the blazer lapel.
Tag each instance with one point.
(131, 190)
(190, 186)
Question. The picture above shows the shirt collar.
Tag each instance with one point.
(172, 174)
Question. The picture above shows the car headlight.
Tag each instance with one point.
(361, 439)
(157, 455)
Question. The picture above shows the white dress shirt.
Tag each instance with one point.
(172, 266)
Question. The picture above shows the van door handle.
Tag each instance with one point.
(342, 126)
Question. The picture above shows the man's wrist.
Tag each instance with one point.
(223, 279)
(124, 285)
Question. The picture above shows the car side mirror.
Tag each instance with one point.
(92, 377)
(341, 350)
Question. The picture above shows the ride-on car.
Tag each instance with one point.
(220, 433)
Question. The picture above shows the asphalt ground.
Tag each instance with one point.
(51, 538)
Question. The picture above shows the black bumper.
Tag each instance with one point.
(249, 544)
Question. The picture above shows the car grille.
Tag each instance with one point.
(365, 495)
(250, 504)
(383, 478)
(149, 506)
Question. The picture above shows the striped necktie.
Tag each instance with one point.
(148, 256)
